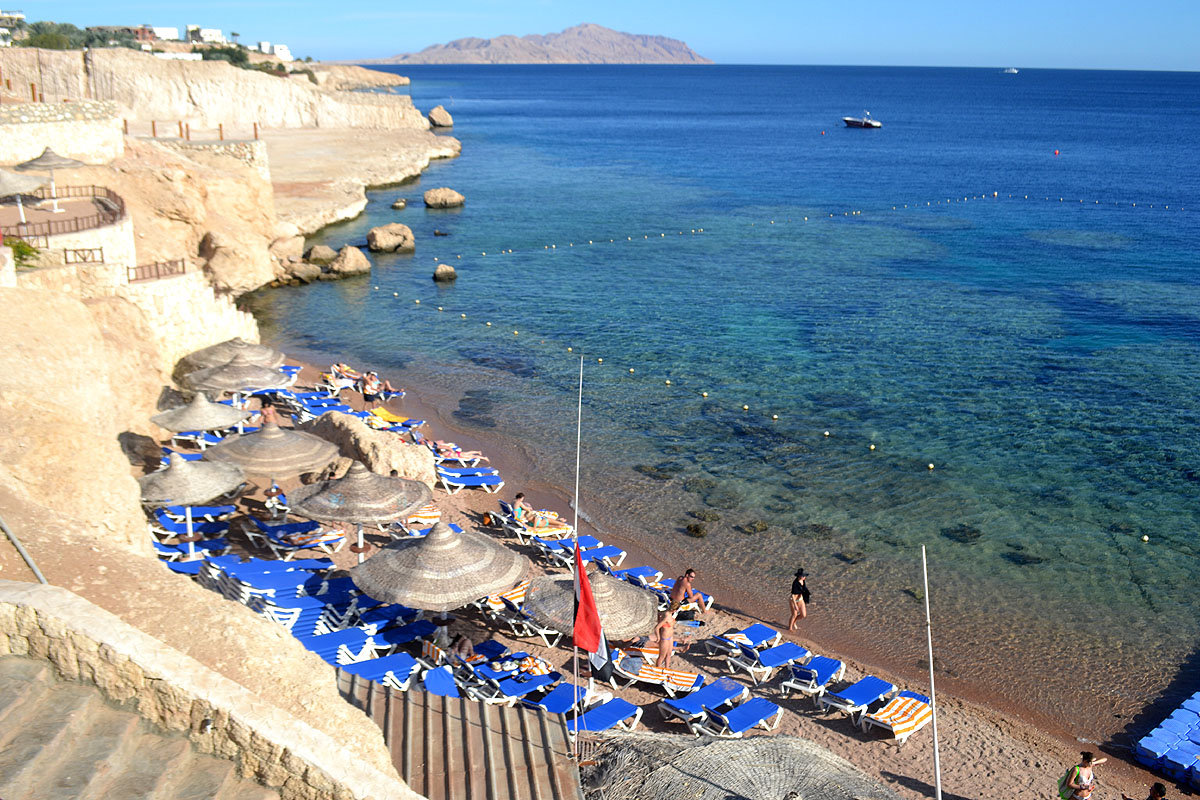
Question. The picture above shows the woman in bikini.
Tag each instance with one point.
(799, 600)
(1080, 780)
(664, 631)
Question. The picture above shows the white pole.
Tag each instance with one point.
(937, 762)
(578, 578)
(54, 194)
(187, 513)
(20, 209)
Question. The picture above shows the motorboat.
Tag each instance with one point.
(864, 121)
(1009, 71)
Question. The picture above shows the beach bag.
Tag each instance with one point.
(1064, 791)
(685, 616)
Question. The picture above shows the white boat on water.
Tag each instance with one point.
(1009, 71)
(864, 121)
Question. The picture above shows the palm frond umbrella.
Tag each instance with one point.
(224, 352)
(200, 415)
(189, 483)
(14, 185)
(440, 572)
(274, 452)
(360, 497)
(237, 374)
(625, 610)
(49, 161)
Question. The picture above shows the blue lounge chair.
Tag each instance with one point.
(491, 650)
(669, 584)
(559, 700)
(615, 713)
(735, 722)
(199, 513)
(854, 699)
(762, 663)
(454, 484)
(756, 635)
(286, 540)
(191, 551)
(509, 690)
(690, 708)
(466, 471)
(440, 681)
(814, 677)
(610, 556)
(638, 576)
(185, 567)
(167, 452)
(396, 670)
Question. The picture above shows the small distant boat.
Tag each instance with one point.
(864, 121)
(1009, 71)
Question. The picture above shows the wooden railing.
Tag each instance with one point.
(110, 208)
(83, 255)
(159, 269)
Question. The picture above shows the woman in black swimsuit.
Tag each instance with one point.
(799, 599)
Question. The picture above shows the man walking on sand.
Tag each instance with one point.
(683, 592)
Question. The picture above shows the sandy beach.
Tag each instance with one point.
(986, 749)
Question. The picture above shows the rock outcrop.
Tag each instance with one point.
(439, 117)
(350, 261)
(443, 197)
(393, 237)
(321, 255)
(444, 274)
(380, 451)
(399, 204)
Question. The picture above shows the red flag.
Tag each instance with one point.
(588, 633)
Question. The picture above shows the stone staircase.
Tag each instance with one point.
(460, 749)
(62, 740)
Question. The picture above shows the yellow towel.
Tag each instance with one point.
(388, 416)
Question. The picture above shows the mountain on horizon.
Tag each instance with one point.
(583, 44)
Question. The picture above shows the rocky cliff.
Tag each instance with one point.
(582, 44)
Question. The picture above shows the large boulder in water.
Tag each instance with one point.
(380, 451)
(439, 117)
(321, 255)
(350, 261)
(393, 237)
(444, 274)
(443, 197)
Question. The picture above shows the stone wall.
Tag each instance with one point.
(252, 153)
(93, 280)
(89, 131)
(90, 645)
(8, 269)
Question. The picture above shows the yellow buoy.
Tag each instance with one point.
(395, 294)
(931, 465)
(599, 360)
(488, 324)
(826, 433)
(439, 308)
(745, 408)
(704, 394)
(631, 370)
(872, 447)
(668, 382)
(568, 349)
(516, 333)
(418, 302)
(774, 416)
(464, 316)
(1145, 538)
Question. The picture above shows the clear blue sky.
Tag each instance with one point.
(1102, 34)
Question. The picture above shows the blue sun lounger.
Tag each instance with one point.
(756, 635)
(610, 556)
(396, 670)
(559, 700)
(735, 722)
(690, 708)
(854, 699)
(641, 577)
(615, 713)
(814, 677)
(454, 484)
(440, 681)
(199, 513)
(762, 663)
(191, 551)
(467, 471)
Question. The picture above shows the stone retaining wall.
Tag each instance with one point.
(251, 152)
(88, 644)
(90, 131)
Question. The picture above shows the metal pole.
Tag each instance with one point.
(153, 129)
(37, 573)
(937, 762)
(578, 577)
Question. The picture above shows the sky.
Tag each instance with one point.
(1074, 34)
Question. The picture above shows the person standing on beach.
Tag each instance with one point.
(664, 631)
(799, 600)
(1079, 781)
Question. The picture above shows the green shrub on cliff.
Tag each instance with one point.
(24, 254)
(234, 55)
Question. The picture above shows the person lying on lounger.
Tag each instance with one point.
(452, 451)
(535, 518)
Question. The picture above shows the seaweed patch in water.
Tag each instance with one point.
(660, 472)
(813, 530)
(1023, 559)
(754, 526)
(705, 515)
(850, 556)
(699, 484)
(507, 360)
(696, 530)
(723, 497)
(963, 533)
(475, 406)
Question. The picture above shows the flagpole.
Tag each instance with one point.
(574, 641)
(937, 763)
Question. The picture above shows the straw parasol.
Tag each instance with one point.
(12, 184)
(188, 483)
(200, 415)
(49, 161)
(625, 611)
(361, 497)
(274, 452)
(235, 375)
(223, 353)
(443, 571)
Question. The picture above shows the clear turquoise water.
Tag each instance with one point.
(1041, 352)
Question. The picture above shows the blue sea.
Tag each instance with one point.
(1001, 282)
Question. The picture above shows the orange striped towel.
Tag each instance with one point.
(903, 716)
(535, 666)
(673, 677)
(426, 515)
(738, 638)
(316, 537)
(431, 651)
(515, 595)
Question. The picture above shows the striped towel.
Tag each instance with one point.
(673, 677)
(903, 715)
(737, 638)
(431, 651)
(426, 515)
(535, 666)
(515, 595)
(315, 537)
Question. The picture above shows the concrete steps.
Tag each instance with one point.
(460, 749)
(65, 741)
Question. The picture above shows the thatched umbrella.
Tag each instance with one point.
(49, 161)
(361, 497)
(235, 375)
(274, 452)
(12, 184)
(224, 352)
(189, 483)
(625, 610)
(200, 415)
(440, 572)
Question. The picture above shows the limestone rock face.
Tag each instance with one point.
(380, 451)
(350, 261)
(288, 247)
(439, 117)
(443, 198)
(399, 204)
(304, 272)
(393, 237)
(445, 274)
(321, 255)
